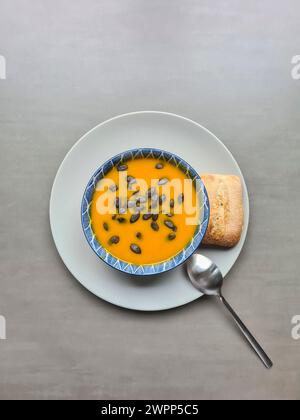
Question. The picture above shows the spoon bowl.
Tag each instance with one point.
(205, 275)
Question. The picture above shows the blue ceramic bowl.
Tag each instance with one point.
(146, 269)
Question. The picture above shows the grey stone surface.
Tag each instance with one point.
(73, 64)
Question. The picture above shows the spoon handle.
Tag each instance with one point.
(257, 348)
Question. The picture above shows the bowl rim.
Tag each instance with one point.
(160, 267)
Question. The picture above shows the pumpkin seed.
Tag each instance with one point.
(170, 214)
(155, 226)
(163, 181)
(114, 188)
(105, 226)
(170, 225)
(114, 239)
(159, 165)
(162, 199)
(147, 216)
(131, 179)
(122, 167)
(134, 217)
(154, 217)
(131, 204)
(135, 248)
(139, 235)
(172, 203)
(121, 219)
(151, 191)
(171, 236)
(122, 211)
(181, 198)
(114, 216)
(154, 201)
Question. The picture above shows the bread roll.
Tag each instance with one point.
(226, 209)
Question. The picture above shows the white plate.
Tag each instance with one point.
(170, 132)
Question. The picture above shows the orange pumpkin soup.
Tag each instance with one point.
(144, 211)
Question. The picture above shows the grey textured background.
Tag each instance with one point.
(73, 64)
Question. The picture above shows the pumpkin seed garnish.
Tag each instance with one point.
(170, 225)
(171, 236)
(181, 198)
(135, 248)
(162, 199)
(155, 226)
(147, 216)
(131, 179)
(163, 181)
(131, 203)
(154, 201)
(122, 167)
(159, 165)
(114, 239)
(151, 191)
(134, 217)
(114, 188)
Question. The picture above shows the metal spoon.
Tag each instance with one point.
(206, 277)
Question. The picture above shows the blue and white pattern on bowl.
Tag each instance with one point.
(146, 269)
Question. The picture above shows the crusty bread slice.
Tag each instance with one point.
(225, 195)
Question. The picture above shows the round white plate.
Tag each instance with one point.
(170, 132)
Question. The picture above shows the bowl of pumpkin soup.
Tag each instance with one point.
(145, 211)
